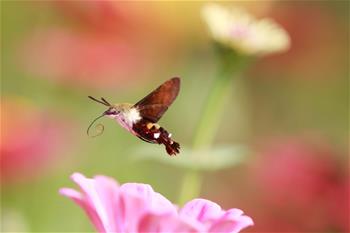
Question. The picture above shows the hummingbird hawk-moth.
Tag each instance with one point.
(141, 118)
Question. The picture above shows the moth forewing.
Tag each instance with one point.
(152, 112)
(155, 104)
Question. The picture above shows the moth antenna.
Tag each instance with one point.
(104, 100)
(99, 127)
(99, 101)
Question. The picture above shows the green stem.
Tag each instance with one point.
(191, 186)
(209, 123)
(213, 109)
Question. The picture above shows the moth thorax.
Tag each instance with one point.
(124, 107)
(128, 112)
(133, 115)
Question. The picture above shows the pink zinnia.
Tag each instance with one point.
(31, 140)
(133, 207)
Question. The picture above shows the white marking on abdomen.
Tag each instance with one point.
(156, 135)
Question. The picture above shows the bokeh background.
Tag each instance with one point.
(293, 109)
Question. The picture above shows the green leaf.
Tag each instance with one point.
(215, 158)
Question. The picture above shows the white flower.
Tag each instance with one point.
(237, 29)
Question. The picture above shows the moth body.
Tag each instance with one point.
(130, 119)
(156, 134)
(141, 118)
(125, 114)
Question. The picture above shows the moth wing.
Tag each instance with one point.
(154, 105)
(152, 112)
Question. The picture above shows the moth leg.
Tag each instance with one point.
(145, 140)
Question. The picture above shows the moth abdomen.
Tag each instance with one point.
(153, 133)
(171, 146)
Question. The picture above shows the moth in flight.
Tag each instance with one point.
(141, 118)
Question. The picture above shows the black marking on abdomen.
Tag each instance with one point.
(156, 135)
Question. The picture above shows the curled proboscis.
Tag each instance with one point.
(99, 128)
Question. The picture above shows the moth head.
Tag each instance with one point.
(116, 109)
(110, 111)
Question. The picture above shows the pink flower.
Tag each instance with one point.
(133, 207)
(31, 140)
(81, 59)
(317, 34)
(300, 175)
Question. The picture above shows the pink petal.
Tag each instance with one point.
(232, 221)
(213, 218)
(71, 193)
(155, 222)
(155, 201)
(100, 194)
(137, 200)
(108, 190)
(89, 210)
(202, 210)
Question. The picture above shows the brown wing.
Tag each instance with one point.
(154, 105)
(152, 112)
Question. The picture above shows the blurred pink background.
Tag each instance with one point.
(294, 114)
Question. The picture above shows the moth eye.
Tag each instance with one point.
(112, 112)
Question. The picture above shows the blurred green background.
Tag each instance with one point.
(289, 110)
